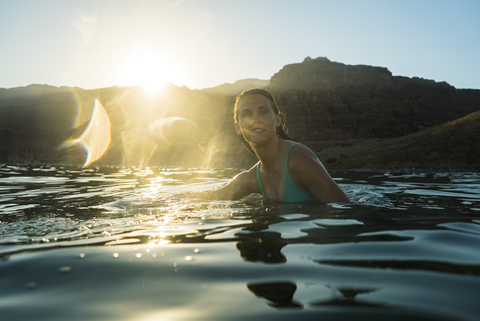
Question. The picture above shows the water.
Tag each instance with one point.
(129, 244)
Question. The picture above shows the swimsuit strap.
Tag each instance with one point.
(292, 192)
(288, 155)
(259, 180)
(287, 176)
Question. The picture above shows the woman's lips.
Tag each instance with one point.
(258, 130)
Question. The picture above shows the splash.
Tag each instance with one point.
(137, 149)
(166, 137)
(212, 153)
(174, 130)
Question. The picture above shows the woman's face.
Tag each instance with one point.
(256, 120)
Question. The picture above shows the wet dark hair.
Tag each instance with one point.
(281, 130)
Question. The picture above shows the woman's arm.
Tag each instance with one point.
(240, 186)
(308, 173)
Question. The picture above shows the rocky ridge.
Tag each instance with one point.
(452, 145)
(328, 105)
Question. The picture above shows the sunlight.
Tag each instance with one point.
(151, 71)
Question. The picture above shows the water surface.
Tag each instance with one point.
(130, 244)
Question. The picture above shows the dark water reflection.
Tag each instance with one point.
(129, 244)
(280, 294)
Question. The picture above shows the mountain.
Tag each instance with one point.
(327, 105)
(34, 121)
(178, 127)
(452, 145)
(237, 87)
(323, 74)
(331, 102)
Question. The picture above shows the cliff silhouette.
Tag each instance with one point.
(452, 145)
(352, 116)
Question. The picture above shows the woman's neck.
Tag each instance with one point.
(268, 154)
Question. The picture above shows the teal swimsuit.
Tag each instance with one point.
(292, 192)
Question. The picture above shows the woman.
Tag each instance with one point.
(286, 171)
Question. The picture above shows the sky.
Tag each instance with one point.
(205, 43)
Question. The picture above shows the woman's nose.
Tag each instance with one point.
(255, 117)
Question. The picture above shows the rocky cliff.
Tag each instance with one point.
(237, 87)
(323, 74)
(452, 145)
(179, 127)
(327, 104)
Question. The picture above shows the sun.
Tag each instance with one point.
(149, 70)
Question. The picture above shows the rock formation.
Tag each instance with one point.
(237, 87)
(361, 102)
(452, 145)
(328, 104)
(323, 74)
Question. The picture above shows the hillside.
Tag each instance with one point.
(452, 145)
(328, 104)
(327, 101)
(237, 87)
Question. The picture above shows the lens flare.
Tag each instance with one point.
(96, 137)
(86, 23)
(85, 105)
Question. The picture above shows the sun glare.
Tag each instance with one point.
(151, 71)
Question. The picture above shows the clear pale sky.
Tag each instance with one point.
(205, 43)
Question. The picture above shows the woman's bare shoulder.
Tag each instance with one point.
(301, 155)
(308, 172)
(304, 165)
